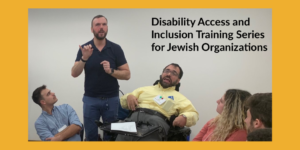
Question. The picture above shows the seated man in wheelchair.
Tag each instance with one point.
(154, 106)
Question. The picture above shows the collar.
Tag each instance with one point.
(107, 44)
(165, 89)
(45, 113)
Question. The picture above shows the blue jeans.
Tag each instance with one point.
(123, 113)
(93, 109)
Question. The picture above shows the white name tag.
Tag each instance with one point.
(62, 128)
(159, 100)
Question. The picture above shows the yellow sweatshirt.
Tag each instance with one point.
(172, 102)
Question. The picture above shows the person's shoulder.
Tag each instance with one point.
(240, 131)
(39, 120)
(114, 45)
(209, 124)
(238, 135)
(64, 106)
(146, 87)
(209, 121)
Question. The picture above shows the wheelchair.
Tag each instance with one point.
(146, 129)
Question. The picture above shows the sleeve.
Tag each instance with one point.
(136, 93)
(239, 135)
(72, 116)
(42, 130)
(79, 55)
(188, 109)
(121, 60)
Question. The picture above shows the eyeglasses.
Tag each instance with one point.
(173, 73)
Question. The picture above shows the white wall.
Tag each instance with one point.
(54, 36)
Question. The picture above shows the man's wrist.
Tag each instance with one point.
(83, 59)
(184, 116)
(58, 137)
(111, 71)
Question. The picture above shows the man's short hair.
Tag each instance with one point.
(264, 134)
(260, 106)
(176, 65)
(98, 16)
(37, 96)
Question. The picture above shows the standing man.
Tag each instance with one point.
(104, 62)
(56, 123)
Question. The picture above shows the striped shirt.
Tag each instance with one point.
(47, 125)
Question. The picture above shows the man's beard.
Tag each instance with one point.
(167, 85)
(97, 35)
(250, 128)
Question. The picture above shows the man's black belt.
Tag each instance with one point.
(152, 112)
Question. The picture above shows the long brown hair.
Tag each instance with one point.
(232, 116)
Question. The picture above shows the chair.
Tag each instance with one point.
(81, 133)
(179, 134)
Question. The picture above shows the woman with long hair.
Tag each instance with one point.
(229, 125)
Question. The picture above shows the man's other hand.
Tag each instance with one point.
(132, 102)
(179, 121)
(55, 138)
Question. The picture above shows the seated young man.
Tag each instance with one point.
(259, 113)
(156, 104)
(56, 123)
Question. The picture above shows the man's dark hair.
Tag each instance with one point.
(98, 16)
(176, 65)
(260, 106)
(264, 134)
(36, 95)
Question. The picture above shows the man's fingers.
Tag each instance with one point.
(132, 106)
(176, 122)
(90, 48)
(104, 62)
(86, 47)
(129, 104)
(80, 47)
(136, 102)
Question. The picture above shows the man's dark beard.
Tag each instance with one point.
(166, 86)
(98, 37)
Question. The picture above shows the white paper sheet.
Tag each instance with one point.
(124, 126)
